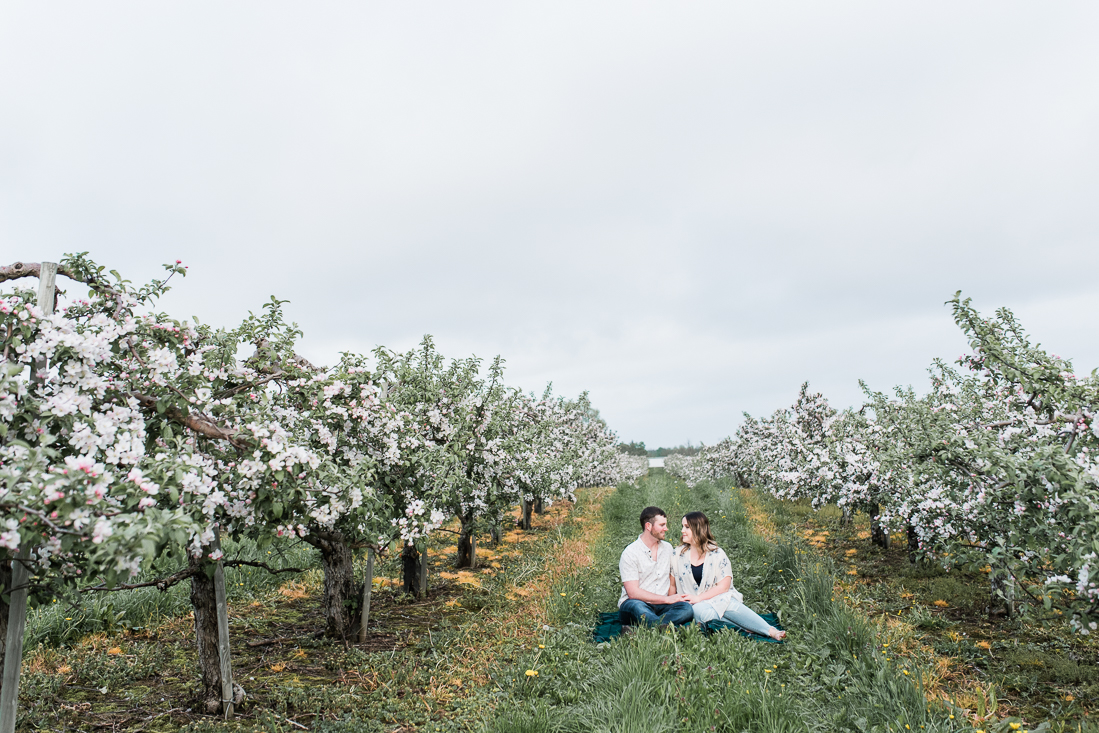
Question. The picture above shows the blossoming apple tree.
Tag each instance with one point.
(994, 467)
(126, 435)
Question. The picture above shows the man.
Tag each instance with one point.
(646, 571)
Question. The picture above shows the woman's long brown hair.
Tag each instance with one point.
(700, 531)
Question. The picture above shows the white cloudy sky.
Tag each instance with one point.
(685, 208)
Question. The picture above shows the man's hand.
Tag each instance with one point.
(634, 591)
(680, 597)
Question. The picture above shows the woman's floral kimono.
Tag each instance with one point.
(715, 566)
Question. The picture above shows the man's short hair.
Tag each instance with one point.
(649, 513)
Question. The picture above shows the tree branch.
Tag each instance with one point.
(265, 566)
(179, 576)
(1075, 428)
(28, 269)
(159, 583)
(197, 422)
(45, 519)
(250, 385)
(34, 269)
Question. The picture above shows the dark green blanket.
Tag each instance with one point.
(609, 627)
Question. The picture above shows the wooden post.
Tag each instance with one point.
(223, 633)
(13, 653)
(423, 574)
(47, 294)
(17, 605)
(368, 586)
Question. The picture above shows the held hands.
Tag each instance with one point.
(684, 597)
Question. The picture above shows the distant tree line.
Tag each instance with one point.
(637, 448)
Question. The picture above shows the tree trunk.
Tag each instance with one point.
(1002, 587)
(528, 506)
(539, 507)
(204, 603)
(415, 571)
(878, 535)
(494, 533)
(339, 602)
(467, 544)
(913, 544)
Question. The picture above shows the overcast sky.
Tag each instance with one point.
(685, 208)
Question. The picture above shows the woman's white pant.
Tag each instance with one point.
(737, 613)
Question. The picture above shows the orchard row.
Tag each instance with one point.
(127, 435)
(996, 467)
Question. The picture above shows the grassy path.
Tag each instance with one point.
(834, 674)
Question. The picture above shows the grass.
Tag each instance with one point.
(507, 648)
(126, 661)
(834, 674)
(1020, 669)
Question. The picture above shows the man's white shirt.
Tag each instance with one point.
(637, 564)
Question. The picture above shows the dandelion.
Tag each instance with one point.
(532, 673)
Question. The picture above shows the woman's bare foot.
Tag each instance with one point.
(776, 634)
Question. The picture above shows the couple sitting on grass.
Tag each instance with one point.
(694, 582)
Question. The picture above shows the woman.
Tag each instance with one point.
(702, 572)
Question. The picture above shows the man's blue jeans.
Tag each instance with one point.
(633, 611)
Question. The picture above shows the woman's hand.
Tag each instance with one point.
(691, 598)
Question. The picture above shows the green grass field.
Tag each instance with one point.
(507, 648)
(834, 673)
